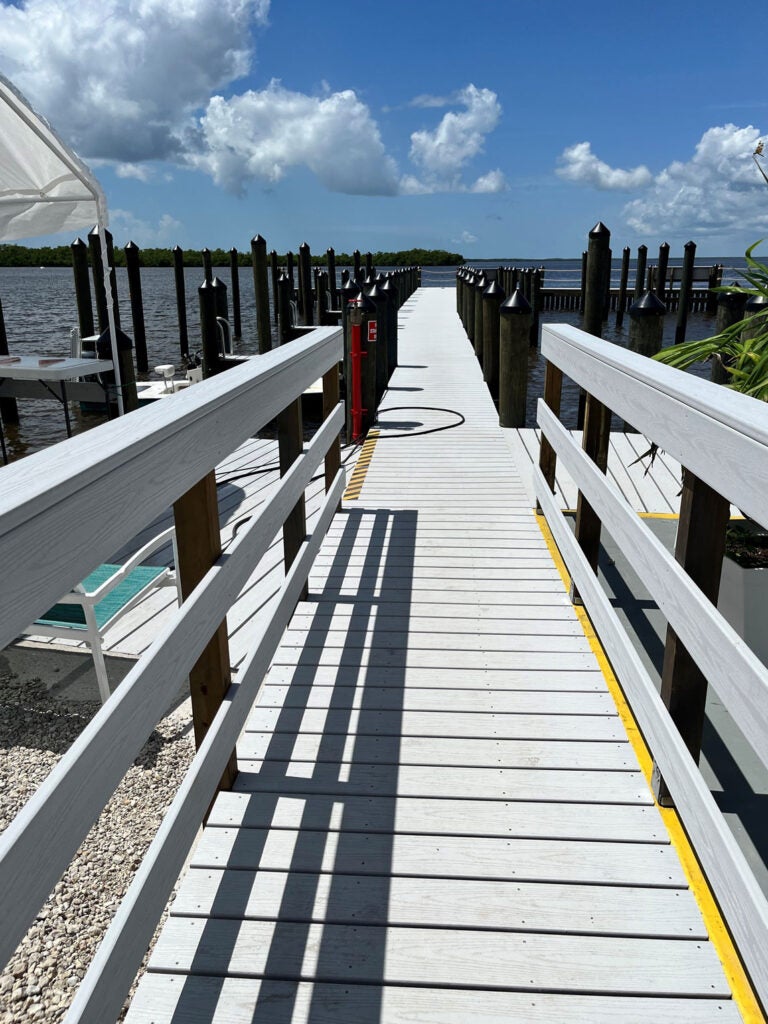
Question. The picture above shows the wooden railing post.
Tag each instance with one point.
(198, 540)
(597, 432)
(553, 390)
(699, 548)
(330, 401)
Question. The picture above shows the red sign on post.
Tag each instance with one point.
(372, 330)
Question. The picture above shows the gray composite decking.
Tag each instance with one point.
(438, 817)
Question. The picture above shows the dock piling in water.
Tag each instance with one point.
(493, 296)
(515, 318)
(646, 326)
(234, 271)
(686, 288)
(261, 293)
(82, 288)
(181, 301)
(133, 269)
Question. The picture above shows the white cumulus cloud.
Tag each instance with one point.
(717, 191)
(579, 164)
(262, 134)
(119, 78)
(493, 181)
(442, 154)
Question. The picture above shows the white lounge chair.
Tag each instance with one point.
(108, 593)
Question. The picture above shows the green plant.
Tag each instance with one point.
(743, 347)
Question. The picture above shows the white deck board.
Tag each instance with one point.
(438, 815)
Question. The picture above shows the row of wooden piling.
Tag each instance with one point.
(289, 298)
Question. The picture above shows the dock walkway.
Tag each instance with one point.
(439, 816)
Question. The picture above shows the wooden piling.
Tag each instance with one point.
(381, 346)
(481, 283)
(646, 327)
(9, 409)
(348, 291)
(234, 273)
(198, 540)
(390, 290)
(305, 279)
(699, 548)
(515, 318)
(97, 266)
(642, 260)
(209, 330)
(274, 270)
(330, 257)
(289, 271)
(493, 296)
(470, 314)
(368, 264)
(623, 281)
(181, 300)
(535, 300)
(583, 288)
(207, 265)
(553, 393)
(596, 418)
(358, 271)
(261, 293)
(686, 287)
(133, 268)
(285, 317)
(82, 288)
(661, 273)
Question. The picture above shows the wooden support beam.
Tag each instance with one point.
(198, 539)
(553, 390)
(699, 548)
(597, 432)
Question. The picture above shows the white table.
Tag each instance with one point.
(48, 370)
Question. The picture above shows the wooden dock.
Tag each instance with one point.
(439, 815)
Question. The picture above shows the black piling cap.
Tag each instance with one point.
(481, 282)
(176, 248)
(259, 240)
(755, 303)
(516, 304)
(304, 247)
(599, 230)
(362, 301)
(131, 246)
(350, 289)
(494, 291)
(690, 245)
(375, 293)
(647, 305)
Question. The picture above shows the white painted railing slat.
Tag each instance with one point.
(730, 461)
(740, 678)
(37, 846)
(68, 508)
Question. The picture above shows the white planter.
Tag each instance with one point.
(743, 602)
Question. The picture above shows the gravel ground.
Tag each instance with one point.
(40, 980)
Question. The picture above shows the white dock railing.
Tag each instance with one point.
(722, 438)
(65, 510)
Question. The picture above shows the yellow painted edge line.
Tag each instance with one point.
(741, 988)
(357, 479)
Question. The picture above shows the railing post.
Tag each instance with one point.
(553, 390)
(290, 443)
(699, 548)
(198, 540)
(686, 287)
(209, 330)
(207, 264)
(137, 306)
(598, 270)
(330, 401)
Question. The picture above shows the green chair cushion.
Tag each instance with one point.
(73, 615)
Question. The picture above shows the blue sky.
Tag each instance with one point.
(493, 130)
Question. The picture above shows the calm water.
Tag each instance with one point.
(40, 311)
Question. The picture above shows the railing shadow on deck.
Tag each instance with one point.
(330, 820)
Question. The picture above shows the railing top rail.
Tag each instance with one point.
(65, 509)
(740, 412)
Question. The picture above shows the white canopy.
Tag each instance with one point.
(45, 187)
